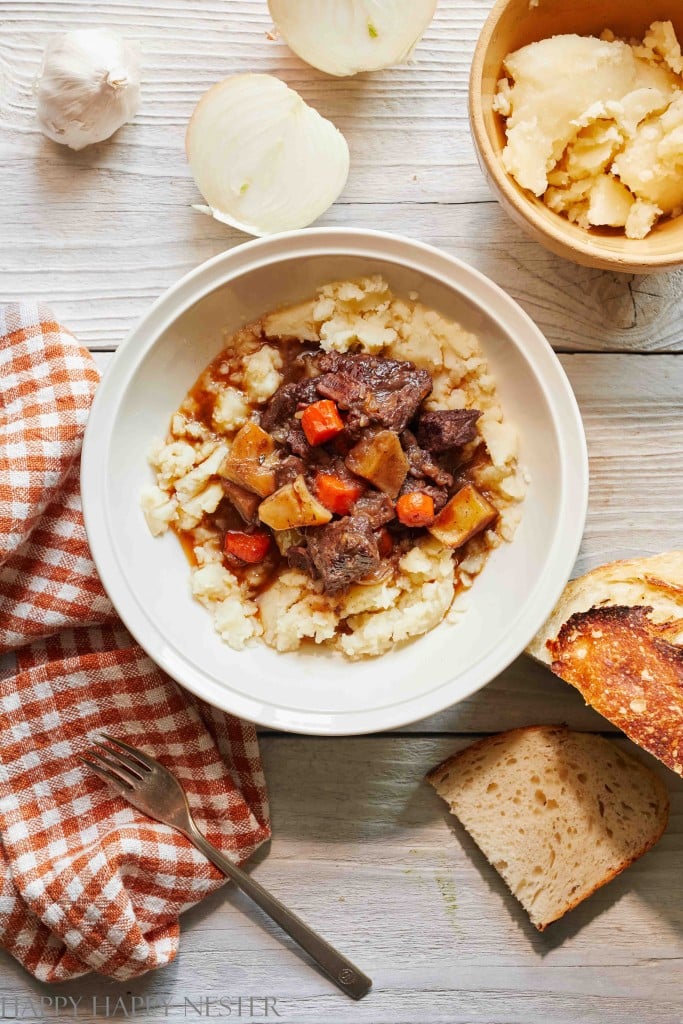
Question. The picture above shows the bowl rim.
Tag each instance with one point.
(553, 236)
(215, 273)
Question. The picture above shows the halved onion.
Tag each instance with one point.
(343, 37)
(262, 158)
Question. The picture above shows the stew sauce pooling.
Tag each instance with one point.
(343, 469)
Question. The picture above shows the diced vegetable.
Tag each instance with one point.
(336, 494)
(385, 543)
(247, 547)
(286, 539)
(415, 509)
(381, 460)
(321, 422)
(250, 461)
(293, 506)
(468, 512)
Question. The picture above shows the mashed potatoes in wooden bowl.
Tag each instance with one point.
(575, 112)
(594, 126)
(338, 473)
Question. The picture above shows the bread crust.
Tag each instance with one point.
(655, 582)
(626, 668)
(616, 634)
(487, 741)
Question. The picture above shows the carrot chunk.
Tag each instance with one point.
(321, 422)
(337, 494)
(415, 509)
(247, 547)
(385, 543)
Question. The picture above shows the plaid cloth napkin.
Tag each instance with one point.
(87, 882)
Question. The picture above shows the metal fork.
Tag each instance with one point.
(147, 785)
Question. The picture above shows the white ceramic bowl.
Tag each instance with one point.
(317, 691)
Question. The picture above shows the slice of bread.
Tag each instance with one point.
(616, 634)
(655, 583)
(557, 813)
(626, 668)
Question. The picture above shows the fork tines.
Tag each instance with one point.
(115, 767)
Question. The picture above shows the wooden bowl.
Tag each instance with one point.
(512, 24)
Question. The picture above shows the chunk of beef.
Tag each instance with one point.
(279, 410)
(299, 557)
(373, 389)
(342, 389)
(375, 506)
(314, 457)
(439, 495)
(422, 463)
(281, 407)
(246, 502)
(343, 551)
(338, 467)
(288, 469)
(296, 440)
(466, 472)
(447, 428)
(307, 391)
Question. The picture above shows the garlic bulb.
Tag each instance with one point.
(343, 37)
(87, 87)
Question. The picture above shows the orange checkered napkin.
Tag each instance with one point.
(87, 883)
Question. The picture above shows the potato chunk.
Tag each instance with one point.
(292, 507)
(466, 513)
(381, 460)
(250, 461)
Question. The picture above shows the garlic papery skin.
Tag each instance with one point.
(343, 37)
(87, 87)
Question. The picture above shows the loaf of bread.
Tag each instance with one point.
(557, 813)
(616, 634)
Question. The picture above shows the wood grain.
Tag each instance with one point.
(101, 233)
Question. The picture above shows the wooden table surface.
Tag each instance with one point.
(362, 847)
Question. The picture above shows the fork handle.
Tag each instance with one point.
(342, 972)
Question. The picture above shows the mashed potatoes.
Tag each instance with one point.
(365, 619)
(595, 126)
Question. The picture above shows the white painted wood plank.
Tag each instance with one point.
(100, 262)
(101, 233)
(187, 48)
(368, 854)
